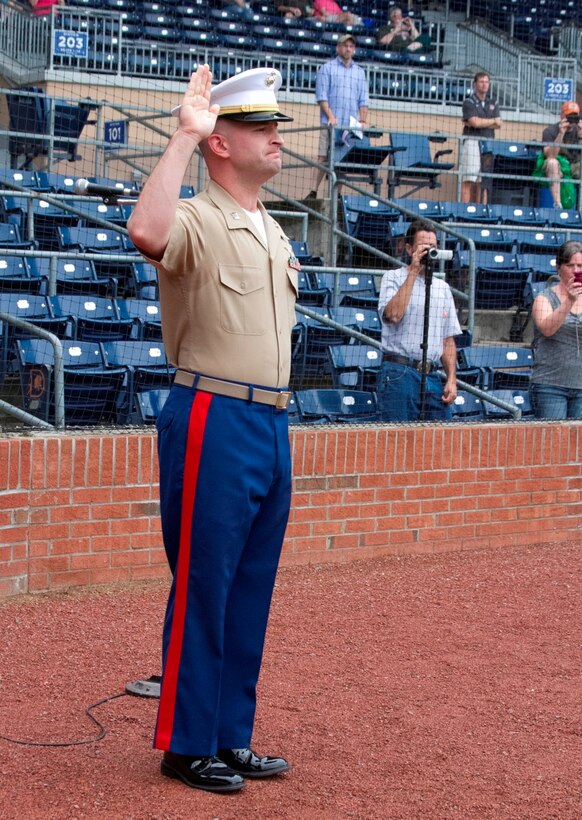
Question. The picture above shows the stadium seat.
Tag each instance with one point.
(18, 178)
(415, 165)
(72, 275)
(149, 404)
(35, 115)
(542, 241)
(508, 160)
(337, 405)
(142, 276)
(32, 308)
(423, 209)
(355, 365)
(491, 237)
(145, 315)
(516, 215)
(15, 276)
(519, 398)
(92, 240)
(370, 221)
(90, 392)
(467, 406)
(46, 219)
(146, 368)
(499, 282)
(501, 366)
(10, 237)
(91, 318)
(467, 212)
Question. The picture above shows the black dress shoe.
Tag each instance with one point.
(208, 773)
(246, 762)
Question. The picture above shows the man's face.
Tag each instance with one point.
(396, 16)
(346, 51)
(254, 148)
(422, 242)
(482, 86)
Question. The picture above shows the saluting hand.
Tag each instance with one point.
(197, 116)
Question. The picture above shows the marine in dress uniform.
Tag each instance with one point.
(228, 284)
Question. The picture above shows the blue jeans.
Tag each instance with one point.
(551, 402)
(399, 395)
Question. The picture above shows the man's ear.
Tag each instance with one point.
(218, 144)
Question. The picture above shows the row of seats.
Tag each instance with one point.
(99, 342)
(341, 405)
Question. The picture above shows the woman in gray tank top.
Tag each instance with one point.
(556, 388)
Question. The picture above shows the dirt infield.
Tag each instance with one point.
(444, 686)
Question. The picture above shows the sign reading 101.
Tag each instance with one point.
(115, 132)
(558, 89)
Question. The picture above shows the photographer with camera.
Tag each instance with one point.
(556, 382)
(401, 306)
(400, 33)
(558, 163)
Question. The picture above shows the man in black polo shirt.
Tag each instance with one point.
(480, 120)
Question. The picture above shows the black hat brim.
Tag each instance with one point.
(258, 116)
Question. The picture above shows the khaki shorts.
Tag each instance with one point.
(471, 161)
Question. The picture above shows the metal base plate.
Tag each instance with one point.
(149, 688)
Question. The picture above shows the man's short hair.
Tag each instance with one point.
(415, 227)
(480, 74)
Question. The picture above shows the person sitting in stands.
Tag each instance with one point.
(295, 9)
(400, 33)
(239, 7)
(331, 11)
(44, 6)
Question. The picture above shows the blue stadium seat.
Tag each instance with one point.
(501, 366)
(337, 405)
(90, 391)
(467, 212)
(145, 365)
(72, 275)
(355, 365)
(15, 276)
(146, 317)
(423, 209)
(520, 398)
(415, 164)
(491, 237)
(13, 178)
(142, 276)
(467, 406)
(91, 318)
(542, 241)
(499, 282)
(149, 404)
(32, 308)
(516, 215)
(10, 237)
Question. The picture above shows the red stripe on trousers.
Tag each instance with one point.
(196, 427)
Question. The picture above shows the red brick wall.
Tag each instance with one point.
(78, 509)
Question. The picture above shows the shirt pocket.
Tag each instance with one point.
(242, 299)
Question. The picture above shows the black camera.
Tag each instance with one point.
(573, 119)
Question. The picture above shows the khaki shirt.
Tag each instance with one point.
(227, 302)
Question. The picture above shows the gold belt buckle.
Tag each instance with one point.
(283, 400)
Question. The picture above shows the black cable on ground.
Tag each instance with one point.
(88, 710)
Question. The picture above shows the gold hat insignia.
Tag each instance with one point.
(270, 79)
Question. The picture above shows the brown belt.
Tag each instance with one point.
(234, 390)
(415, 363)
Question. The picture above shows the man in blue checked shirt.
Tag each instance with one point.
(341, 90)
